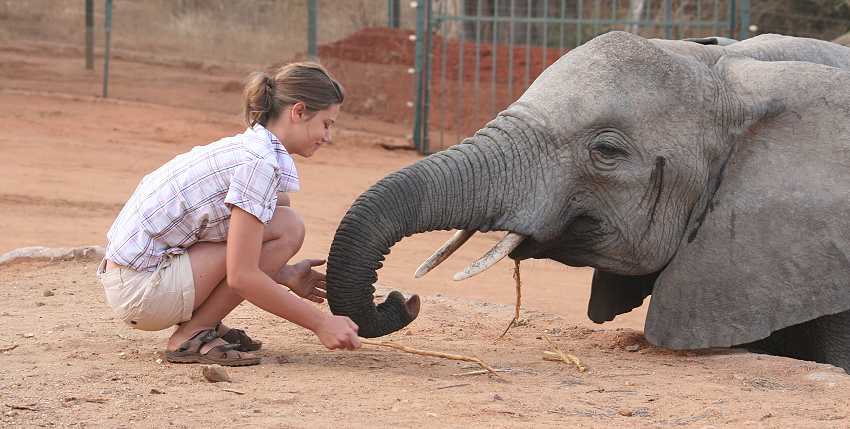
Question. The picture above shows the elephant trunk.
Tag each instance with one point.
(466, 187)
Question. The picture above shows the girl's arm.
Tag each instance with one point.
(244, 243)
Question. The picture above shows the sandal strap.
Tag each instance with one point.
(198, 340)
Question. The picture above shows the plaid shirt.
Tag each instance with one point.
(188, 199)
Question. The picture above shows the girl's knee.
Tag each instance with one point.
(286, 225)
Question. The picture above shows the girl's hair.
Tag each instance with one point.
(266, 96)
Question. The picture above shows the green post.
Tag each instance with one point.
(744, 32)
(426, 81)
(393, 13)
(733, 12)
(90, 34)
(107, 27)
(311, 28)
(668, 19)
(419, 72)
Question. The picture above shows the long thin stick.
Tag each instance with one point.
(563, 357)
(518, 282)
(430, 353)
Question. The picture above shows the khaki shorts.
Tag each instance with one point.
(151, 300)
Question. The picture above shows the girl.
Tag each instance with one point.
(213, 227)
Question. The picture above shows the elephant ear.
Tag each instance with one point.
(768, 245)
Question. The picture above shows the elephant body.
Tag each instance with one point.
(714, 178)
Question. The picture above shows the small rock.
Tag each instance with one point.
(408, 333)
(282, 359)
(625, 413)
(48, 292)
(497, 397)
(430, 414)
(215, 373)
(29, 335)
(157, 392)
(159, 361)
(39, 304)
(633, 348)
(122, 355)
(11, 413)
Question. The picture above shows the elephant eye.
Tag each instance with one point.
(606, 155)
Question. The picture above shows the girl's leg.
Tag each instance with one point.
(214, 299)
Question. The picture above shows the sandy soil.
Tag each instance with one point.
(71, 159)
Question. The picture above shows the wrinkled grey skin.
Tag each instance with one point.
(716, 178)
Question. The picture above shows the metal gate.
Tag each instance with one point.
(475, 57)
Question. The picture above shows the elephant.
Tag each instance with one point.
(714, 177)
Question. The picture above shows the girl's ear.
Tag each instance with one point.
(297, 112)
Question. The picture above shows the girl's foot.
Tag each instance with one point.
(206, 347)
(238, 336)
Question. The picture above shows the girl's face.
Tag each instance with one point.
(303, 132)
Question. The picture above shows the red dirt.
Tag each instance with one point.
(71, 159)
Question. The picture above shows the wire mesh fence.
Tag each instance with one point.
(478, 56)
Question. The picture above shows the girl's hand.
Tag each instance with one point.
(338, 332)
(304, 281)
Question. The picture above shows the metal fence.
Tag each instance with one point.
(474, 57)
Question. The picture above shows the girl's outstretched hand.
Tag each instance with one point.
(304, 281)
(338, 332)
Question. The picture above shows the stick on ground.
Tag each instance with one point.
(518, 282)
(431, 353)
(558, 355)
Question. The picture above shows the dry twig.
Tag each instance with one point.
(481, 371)
(22, 407)
(558, 355)
(518, 282)
(431, 353)
(453, 385)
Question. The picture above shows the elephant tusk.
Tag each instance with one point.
(443, 252)
(496, 254)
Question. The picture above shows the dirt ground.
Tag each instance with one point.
(70, 160)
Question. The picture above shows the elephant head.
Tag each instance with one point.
(716, 178)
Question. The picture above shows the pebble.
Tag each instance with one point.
(633, 348)
(625, 413)
(29, 335)
(215, 373)
(39, 304)
(157, 392)
(159, 361)
(497, 397)
(48, 292)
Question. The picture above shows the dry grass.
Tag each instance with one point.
(248, 31)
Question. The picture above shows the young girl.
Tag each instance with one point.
(213, 227)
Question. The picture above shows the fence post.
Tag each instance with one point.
(744, 32)
(668, 19)
(733, 26)
(419, 66)
(90, 34)
(107, 27)
(393, 13)
(311, 29)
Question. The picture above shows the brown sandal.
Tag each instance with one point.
(240, 338)
(225, 354)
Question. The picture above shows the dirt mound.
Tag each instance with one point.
(374, 45)
(67, 359)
